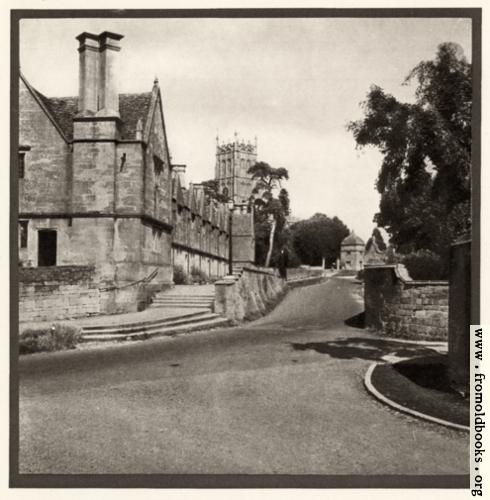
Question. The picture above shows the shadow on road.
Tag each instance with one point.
(363, 348)
(357, 321)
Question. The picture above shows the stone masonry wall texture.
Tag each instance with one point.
(45, 182)
(399, 307)
(249, 296)
(51, 293)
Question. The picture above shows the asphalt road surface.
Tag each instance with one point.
(282, 395)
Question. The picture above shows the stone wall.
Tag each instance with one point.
(51, 293)
(243, 239)
(250, 295)
(47, 161)
(401, 307)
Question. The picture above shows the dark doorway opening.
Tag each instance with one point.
(47, 247)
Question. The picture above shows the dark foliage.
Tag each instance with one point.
(377, 237)
(212, 192)
(425, 265)
(180, 277)
(424, 180)
(318, 237)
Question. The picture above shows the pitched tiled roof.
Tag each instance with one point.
(352, 239)
(132, 107)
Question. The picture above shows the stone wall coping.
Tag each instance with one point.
(259, 270)
(227, 280)
(427, 283)
(402, 274)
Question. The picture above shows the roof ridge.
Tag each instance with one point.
(61, 110)
(45, 105)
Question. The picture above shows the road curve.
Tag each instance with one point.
(283, 394)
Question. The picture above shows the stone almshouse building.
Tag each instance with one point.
(100, 205)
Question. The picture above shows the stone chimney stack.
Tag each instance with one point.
(98, 94)
(88, 73)
(108, 95)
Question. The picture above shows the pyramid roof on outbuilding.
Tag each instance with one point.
(352, 239)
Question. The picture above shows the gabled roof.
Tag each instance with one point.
(223, 222)
(192, 201)
(201, 202)
(185, 197)
(133, 107)
(207, 210)
(177, 191)
(213, 213)
(62, 110)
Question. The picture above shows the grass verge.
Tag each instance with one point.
(423, 384)
(57, 337)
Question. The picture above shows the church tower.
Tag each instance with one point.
(232, 163)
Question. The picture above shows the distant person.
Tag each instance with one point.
(283, 264)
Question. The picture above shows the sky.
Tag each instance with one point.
(293, 83)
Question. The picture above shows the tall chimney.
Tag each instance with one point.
(88, 73)
(108, 96)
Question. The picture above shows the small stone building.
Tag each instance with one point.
(352, 253)
(97, 191)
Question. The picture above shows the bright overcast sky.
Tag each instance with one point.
(295, 83)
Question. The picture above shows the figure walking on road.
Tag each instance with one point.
(283, 264)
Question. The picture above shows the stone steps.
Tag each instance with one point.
(186, 296)
(134, 326)
(183, 303)
(167, 326)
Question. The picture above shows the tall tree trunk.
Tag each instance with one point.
(271, 243)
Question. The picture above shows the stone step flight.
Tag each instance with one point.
(203, 319)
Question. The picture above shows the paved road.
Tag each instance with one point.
(282, 395)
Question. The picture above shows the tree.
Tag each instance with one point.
(318, 238)
(211, 190)
(424, 180)
(270, 211)
(377, 237)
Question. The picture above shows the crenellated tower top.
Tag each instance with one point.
(233, 159)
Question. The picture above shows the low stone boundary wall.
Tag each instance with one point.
(298, 282)
(250, 295)
(401, 307)
(60, 292)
